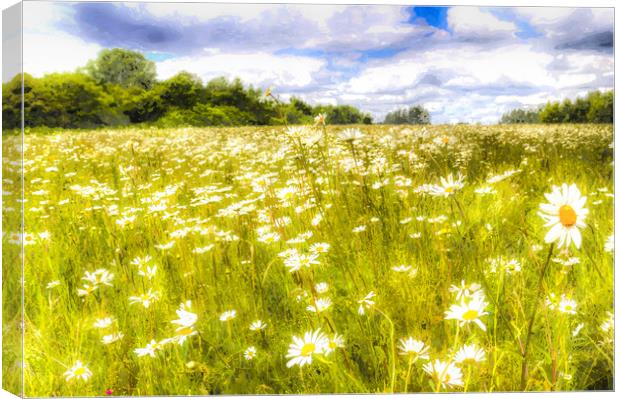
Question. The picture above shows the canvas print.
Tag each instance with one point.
(220, 198)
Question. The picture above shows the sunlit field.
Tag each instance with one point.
(266, 260)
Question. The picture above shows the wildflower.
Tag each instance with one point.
(469, 353)
(110, 338)
(564, 215)
(320, 305)
(297, 261)
(145, 299)
(413, 349)
(87, 289)
(468, 312)
(359, 229)
(103, 322)
(577, 329)
(99, 276)
(568, 306)
(79, 371)
(269, 238)
(502, 176)
(52, 284)
(109, 391)
(466, 290)
(609, 244)
(181, 334)
(228, 315)
(321, 288)
(202, 250)
(257, 325)
(608, 324)
(149, 349)
(366, 303)
(301, 350)
(319, 247)
(149, 272)
(140, 262)
(337, 341)
(444, 373)
(448, 186)
(165, 246)
(320, 119)
(249, 353)
(186, 318)
(350, 135)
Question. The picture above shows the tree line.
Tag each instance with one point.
(120, 87)
(595, 107)
(414, 115)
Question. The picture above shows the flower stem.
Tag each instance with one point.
(408, 375)
(524, 371)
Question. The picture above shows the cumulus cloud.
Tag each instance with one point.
(474, 23)
(258, 68)
(47, 49)
(463, 63)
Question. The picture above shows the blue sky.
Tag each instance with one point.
(463, 63)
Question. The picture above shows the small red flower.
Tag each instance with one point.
(109, 391)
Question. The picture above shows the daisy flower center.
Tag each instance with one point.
(449, 189)
(470, 315)
(185, 331)
(308, 349)
(568, 216)
(79, 371)
(445, 140)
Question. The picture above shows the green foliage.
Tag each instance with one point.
(343, 114)
(122, 67)
(596, 107)
(147, 106)
(415, 115)
(601, 107)
(119, 88)
(521, 116)
(205, 115)
(182, 90)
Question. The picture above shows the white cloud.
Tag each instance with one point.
(48, 49)
(56, 52)
(471, 21)
(476, 83)
(259, 69)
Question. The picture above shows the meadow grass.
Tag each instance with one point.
(219, 210)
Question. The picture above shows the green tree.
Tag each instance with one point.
(414, 115)
(521, 116)
(601, 107)
(183, 90)
(551, 113)
(71, 100)
(122, 67)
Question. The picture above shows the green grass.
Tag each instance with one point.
(373, 182)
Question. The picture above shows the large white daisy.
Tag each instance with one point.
(564, 215)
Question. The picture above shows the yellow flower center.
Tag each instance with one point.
(449, 189)
(185, 331)
(308, 349)
(445, 140)
(79, 371)
(470, 315)
(332, 345)
(568, 216)
(568, 307)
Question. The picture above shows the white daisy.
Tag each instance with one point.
(79, 371)
(564, 215)
(300, 352)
